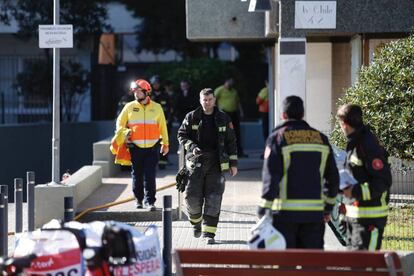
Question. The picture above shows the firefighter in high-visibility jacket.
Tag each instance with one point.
(139, 128)
(366, 202)
(207, 135)
(300, 179)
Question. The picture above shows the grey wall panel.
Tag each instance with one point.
(357, 16)
(28, 148)
(219, 20)
(210, 20)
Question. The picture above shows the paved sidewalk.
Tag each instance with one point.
(238, 212)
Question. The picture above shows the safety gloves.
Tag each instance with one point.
(182, 179)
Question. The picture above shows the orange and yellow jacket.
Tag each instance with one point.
(146, 125)
(262, 100)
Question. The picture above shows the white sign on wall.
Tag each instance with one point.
(55, 36)
(315, 15)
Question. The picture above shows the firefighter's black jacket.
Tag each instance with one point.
(189, 136)
(367, 160)
(165, 101)
(300, 177)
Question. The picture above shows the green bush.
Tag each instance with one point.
(200, 73)
(385, 91)
(205, 72)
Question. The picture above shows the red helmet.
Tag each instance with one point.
(142, 84)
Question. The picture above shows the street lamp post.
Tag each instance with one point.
(56, 103)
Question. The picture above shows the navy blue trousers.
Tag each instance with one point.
(301, 235)
(144, 169)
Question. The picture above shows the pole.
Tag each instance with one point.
(56, 103)
(3, 222)
(181, 164)
(3, 111)
(271, 88)
(18, 203)
(30, 200)
(291, 69)
(167, 235)
(68, 209)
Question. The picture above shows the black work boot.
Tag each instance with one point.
(138, 204)
(197, 230)
(208, 239)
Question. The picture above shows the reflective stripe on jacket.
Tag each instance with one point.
(188, 136)
(146, 125)
(300, 178)
(368, 162)
(119, 149)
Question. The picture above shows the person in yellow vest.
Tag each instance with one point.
(139, 128)
(228, 101)
(262, 101)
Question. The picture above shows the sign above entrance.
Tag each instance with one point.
(315, 15)
(55, 36)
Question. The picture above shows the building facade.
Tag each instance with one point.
(323, 44)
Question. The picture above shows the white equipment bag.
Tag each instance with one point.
(265, 236)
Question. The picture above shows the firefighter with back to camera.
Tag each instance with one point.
(300, 179)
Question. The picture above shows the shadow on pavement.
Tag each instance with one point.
(230, 242)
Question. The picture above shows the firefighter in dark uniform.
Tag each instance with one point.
(207, 134)
(160, 96)
(366, 202)
(300, 179)
(126, 98)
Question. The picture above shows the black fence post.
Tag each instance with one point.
(181, 164)
(3, 227)
(30, 200)
(167, 235)
(4, 190)
(18, 203)
(69, 212)
(3, 111)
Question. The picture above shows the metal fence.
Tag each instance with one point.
(16, 109)
(399, 232)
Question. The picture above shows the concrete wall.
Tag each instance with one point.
(318, 85)
(230, 20)
(356, 16)
(341, 71)
(28, 148)
(223, 20)
(49, 199)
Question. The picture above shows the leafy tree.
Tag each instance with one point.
(163, 28)
(35, 83)
(385, 91)
(5, 11)
(200, 73)
(87, 17)
(206, 72)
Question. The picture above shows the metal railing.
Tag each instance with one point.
(18, 109)
(24, 109)
(399, 232)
